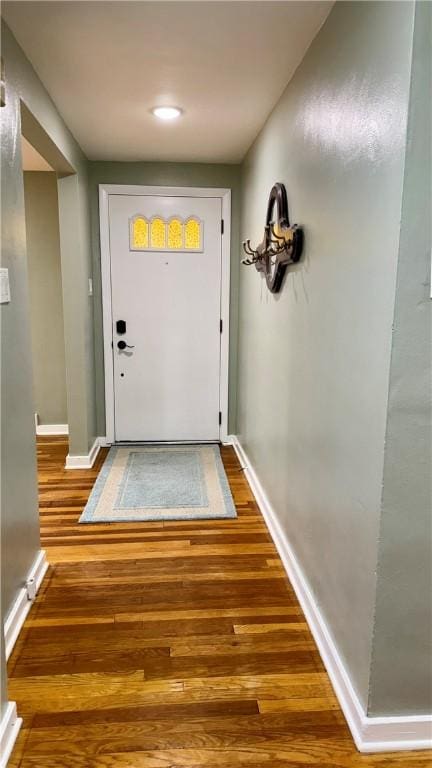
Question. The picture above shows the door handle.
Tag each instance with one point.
(122, 345)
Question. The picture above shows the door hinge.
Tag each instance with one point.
(222, 226)
(220, 418)
(221, 325)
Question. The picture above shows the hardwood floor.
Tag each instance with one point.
(169, 645)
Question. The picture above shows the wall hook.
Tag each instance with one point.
(281, 245)
(251, 253)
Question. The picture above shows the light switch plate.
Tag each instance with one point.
(4, 286)
(90, 286)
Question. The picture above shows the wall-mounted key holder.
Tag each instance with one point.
(281, 245)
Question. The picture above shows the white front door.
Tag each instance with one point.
(166, 307)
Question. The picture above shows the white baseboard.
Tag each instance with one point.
(370, 734)
(24, 601)
(52, 429)
(9, 729)
(228, 440)
(87, 460)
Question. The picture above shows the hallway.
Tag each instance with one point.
(169, 644)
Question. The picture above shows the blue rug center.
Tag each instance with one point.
(162, 479)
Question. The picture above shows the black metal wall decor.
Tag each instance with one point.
(281, 245)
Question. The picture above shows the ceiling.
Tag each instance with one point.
(105, 64)
(31, 159)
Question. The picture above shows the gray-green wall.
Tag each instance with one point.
(19, 518)
(163, 174)
(44, 127)
(25, 95)
(314, 361)
(46, 304)
(401, 676)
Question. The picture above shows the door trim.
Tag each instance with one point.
(105, 190)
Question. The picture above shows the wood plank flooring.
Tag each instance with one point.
(170, 645)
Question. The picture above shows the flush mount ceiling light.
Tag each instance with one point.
(166, 113)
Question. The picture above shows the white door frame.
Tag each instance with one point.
(126, 189)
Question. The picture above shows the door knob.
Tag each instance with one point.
(122, 345)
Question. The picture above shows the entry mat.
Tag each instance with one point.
(160, 482)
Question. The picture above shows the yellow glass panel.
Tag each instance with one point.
(139, 233)
(158, 233)
(193, 234)
(175, 234)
